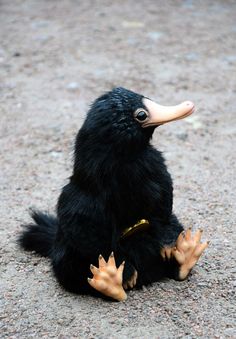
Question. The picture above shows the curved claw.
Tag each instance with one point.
(99, 285)
(101, 261)
(180, 238)
(111, 260)
(121, 269)
(188, 233)
(200, 249)
(197, 236)
(94, 269)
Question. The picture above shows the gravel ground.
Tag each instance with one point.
(57, 56)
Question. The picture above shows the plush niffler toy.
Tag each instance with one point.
(117, 204)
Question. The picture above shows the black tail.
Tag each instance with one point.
(39, 237)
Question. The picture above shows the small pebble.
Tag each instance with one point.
(73, 86)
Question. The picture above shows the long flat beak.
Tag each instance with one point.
(159, 115)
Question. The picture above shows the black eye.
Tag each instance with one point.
(141, 115)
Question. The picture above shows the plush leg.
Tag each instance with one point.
(107, 278)
(186, 251)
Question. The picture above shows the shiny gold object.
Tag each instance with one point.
(140, 226)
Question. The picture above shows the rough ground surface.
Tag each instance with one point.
(57, 56)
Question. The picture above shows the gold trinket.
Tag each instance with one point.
(140, 226)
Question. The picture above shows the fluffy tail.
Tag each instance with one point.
(39, 236)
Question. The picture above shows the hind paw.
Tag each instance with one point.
(186, 251)
(131, 282)
(107, 278)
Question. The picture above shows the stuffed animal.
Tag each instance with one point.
(117, 204)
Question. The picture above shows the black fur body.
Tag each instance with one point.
(118, 179)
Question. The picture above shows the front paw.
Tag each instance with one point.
(186, 251)
(107, 278)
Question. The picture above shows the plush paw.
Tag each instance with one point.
(131, 282)
(186, 251)
(107, 278)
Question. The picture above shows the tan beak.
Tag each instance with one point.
(159, 114)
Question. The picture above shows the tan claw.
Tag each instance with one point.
(101, 261)
(188, 233)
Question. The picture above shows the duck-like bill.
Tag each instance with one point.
(159, 114)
